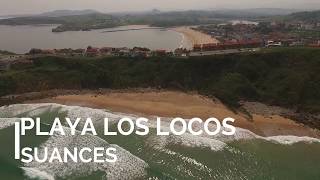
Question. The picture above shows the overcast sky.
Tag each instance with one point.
(38, 6)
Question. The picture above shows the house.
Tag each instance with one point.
(141, 49)
(181, 52)
(92, 51)
(159, 52)
(230, 44)
(197, 47)
(124, 52)
(140, 52)
(64, 51)
(78, 51)
(106, 50)
(272, 43)
(316, 44)
(48, 51)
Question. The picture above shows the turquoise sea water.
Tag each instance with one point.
(242, 156)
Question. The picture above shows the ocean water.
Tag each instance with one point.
(242, 156)
(20, 39)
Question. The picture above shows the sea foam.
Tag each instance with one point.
(128, 165)
(35, 173)
(98, 115)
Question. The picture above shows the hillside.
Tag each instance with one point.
(90, 19)
(68, 23)
(59, 13)
(285, 77)
(2, 52)
(311, 16)
(259, 12)
(31, 20)
(98, 20)
(87, 22)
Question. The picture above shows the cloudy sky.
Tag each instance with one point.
(37, 6)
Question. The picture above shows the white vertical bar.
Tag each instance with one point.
(17, 140)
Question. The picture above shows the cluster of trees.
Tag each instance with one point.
(285, 77)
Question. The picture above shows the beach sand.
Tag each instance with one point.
(196, 37)
(178, 104)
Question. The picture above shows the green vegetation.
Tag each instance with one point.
(286, 76)
(2, 52)
(68, 23)
(87, 22)
(31, 21)
(94, 20)
(182, 18)
(99, 20)
(88, 19)
(311, 16)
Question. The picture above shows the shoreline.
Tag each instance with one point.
(150, 103)
(189, 37)
(195, 37)
(93, 34)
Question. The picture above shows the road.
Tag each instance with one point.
(227, 51)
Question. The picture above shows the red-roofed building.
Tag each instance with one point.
(92, 51)
(159, 52)
(230, 44)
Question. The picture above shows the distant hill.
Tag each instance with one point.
(275, 11)
(68, 23)
(100, 20)
(259, 11)
(85, 20)
(31, 20)
(59, 13)
(310, 16)
(3, 52)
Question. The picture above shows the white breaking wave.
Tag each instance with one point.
(187, 140)
(289, 140)
(97, 116)
(7, 122)
(34, 173)
(127, 165)
(18, 109)
(188, 160)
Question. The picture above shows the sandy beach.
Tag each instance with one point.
(178, 104)
(195, 37)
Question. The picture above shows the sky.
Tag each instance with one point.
(8, 7)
